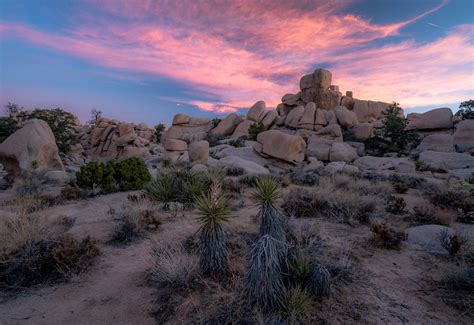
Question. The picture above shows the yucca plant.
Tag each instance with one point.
(162, 188)
(264, 279)
(300, 269)
(266, 193)
(213, 210)
(319, 281)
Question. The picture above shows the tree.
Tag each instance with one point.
(159, 128)
(255, 129)
(96, 115)
(466, 110)
(12, 109)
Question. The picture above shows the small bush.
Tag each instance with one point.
(159, 131)
(172, 266)
(319, 282)
(396, 205)
(133, 224)
(451, 243)
(302, 178)
(295, 303)
(132, 174)
(387, 237)
(239, 142)
(234, 171)
(466, 110)
(213, 139)
(300, 269)
(254, 130)
(302, 203)
(7, 127)
(430, 214)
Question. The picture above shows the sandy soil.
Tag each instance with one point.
(385, 286)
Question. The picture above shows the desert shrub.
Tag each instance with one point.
(466, 110)
(132, 224)
(451, 243)
(387, 237)
(234, 171)
(126, 175)
(96, 115)
(303, 203)
(295, 304)
(213, 139)
(392, 137)
(264, 281)
(31, 184)
(304, 178)
(459, 288)
(215, 122)
(62, 124)
(405, 181)
(428, 213)
(452, 197)
(239, 142)
(319, 281)
(396, 205)
(7, 127)
(213, 211)
(300, 269)
(349, 135)
(159, 128)
(266, 193)
(254, 130)
(249, 179)
(347, 206)
(172, 265)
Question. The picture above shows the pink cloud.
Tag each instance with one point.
(243, 51)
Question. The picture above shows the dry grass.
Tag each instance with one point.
(428, 213)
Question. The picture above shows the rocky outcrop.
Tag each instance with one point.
(445, 161)
(437, 142)
(227, 126)
(242, 129)
(341, 151)
(175, 145)
(401, 165)
(369, 111)
(440, 118)
(257, 111)
(31, 146)
(346, 118)
(294, 116)
(284, 146)
(317, 88)
(464, 136)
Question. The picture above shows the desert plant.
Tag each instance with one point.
(466, 110)
(7, 127)
(266, 193)
(264, 280)
(395, 205)
(234, 171)
(295, 304)
(96, 115)
(427, 213)
(172, 265)
(452, 243)
(300, 269)
(387, 237)
(213, 139)
(213, 210)
(254, 130)
(132, 174)
(303, 203)
(159, 128)
(239, 142)
(319, 281)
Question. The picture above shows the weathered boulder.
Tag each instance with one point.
(330, 117)
(332, 130)
(291, 99)
(179, 119)
(57, 177)
(307, 120)
(320, 118)
(445, 161)
(346, 118)
(188, 133)
(347, 102)
(401, 165)
(249, 167)
(34, 142)
(269, 118)
(257, 111)
(363, 131)
(283, 109)
(340, 166)
(294, 117)
(464, 136)
(427, 238)
(319, 147)
(226, 126)
(341, 151)
(246, 153)
(199, 168)
(175, 145)
(313, 164)
(198, 152)
(280, 145)
(242, 129)
(316, 87)
(368, 111)
(437, 142)
(439, 118)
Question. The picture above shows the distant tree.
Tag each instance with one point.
(8, 124)
(466, 110)
(96, 115)
(158, 131)
(392, 137)
(255, 129)
(12, 109)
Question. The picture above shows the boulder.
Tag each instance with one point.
(249, 167)
(427, 238)
(347, 102)
(226, 126)
(330, 117)
(319, 147)
(257, 111)
(34, 142)
(401, 165)
(179, 119)
(363, 131)
(439, 118)
(187, 132)
(320, 118)
(340, 166)
(317, 88)
(341, 151)
(368, 111)
(437, 142)
(283, 109)
(464, 136)
(242, 129)
(307, 120)
(199, 169)
(333, 131)
(269, 118)
(290, 99)
(57, 177)
(294, 117)
(247, 153)
(346, 118)
(198, 152)
(280, 145)
(175, 145)
(445, 161)
(313, 164)
(198, 121)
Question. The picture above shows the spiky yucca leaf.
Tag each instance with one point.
(300, 269)
(267, 191)
(162, 188)
(319, 282)
(213, 212)
(272, 222)
(295, 303)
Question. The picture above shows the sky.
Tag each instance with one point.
(144, 60)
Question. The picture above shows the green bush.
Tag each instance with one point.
(158, 131)
(126, 175)
(7, 127)
(466, 110)
(392, 137)
(254, 130)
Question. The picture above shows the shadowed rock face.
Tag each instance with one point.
(34, 142)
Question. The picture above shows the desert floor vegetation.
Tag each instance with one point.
(222, 247)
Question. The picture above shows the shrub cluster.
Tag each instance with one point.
(387, 237)
(126, 175)
(132, 224)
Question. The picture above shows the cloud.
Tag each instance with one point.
(243, 51)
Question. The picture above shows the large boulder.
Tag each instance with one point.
(249, 167)
(188, 133)
(294, 117)
(242, 129)
(198, 152)
(368, 111)
(175, 145)
(439, 118)
(291, 100)
(307, 120)
(464, 136)
(341, 151)
(180, 119)
(319, 147)
(346, 118)
(316, 87)
(332, 130)
(445, 161)
(269, 118)
(401, 165)
(34, 142)
(284, 146)
(257, 111)
(363, 131)
(437, 142)
(226, 126)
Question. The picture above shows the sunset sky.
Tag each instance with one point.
(144, 61)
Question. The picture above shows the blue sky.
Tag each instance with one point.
(144, 61)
